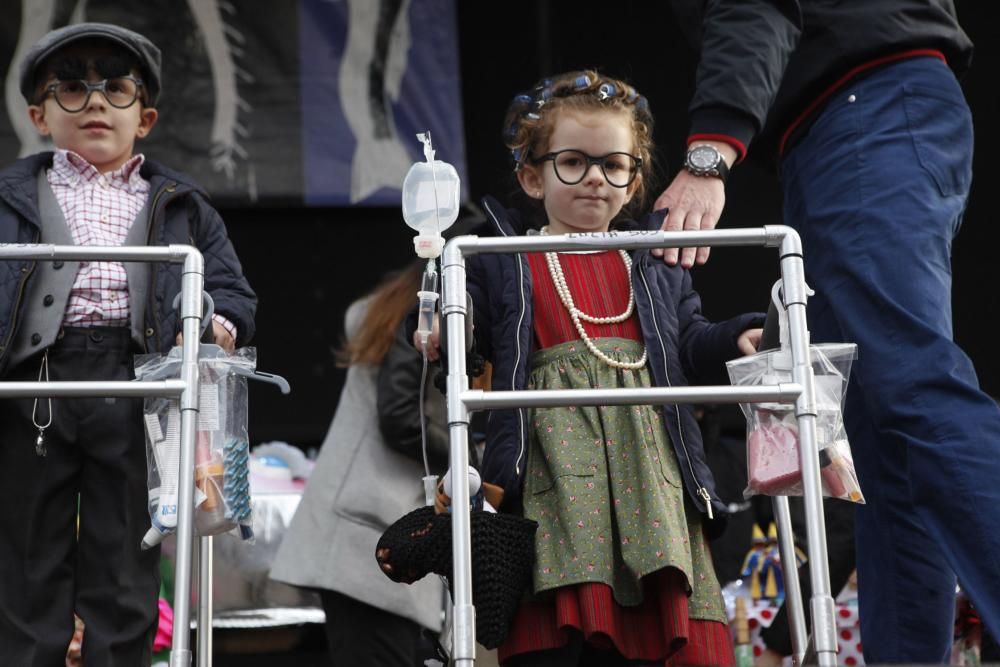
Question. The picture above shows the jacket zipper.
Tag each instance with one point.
(702, 491)
(151, 298)
(517, 344)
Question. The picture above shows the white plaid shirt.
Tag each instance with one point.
(100, 209)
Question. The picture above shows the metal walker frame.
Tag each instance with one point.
(185, 389)
(462, 400)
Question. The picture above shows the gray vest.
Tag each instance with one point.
(47, 292)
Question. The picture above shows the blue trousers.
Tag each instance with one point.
(877, 190)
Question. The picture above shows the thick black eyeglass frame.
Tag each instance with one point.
(98, 86)
(591, 160)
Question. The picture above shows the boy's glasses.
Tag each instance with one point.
(121, 92)
(571, 166)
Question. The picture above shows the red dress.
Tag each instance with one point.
(659, 629)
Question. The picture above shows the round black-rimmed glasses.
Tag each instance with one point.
(571, 166)
(73, 95)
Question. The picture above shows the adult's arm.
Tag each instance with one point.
(744, 48)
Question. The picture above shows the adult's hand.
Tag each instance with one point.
(694, 203)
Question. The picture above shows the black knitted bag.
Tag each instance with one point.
(503, 555)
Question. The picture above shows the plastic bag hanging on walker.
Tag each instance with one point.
(222, 448)
(773, 464)
(222, 488)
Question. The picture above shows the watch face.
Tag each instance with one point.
(703, 157)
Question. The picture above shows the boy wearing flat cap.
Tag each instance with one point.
(92, 88)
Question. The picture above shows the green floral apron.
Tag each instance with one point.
(604, 486)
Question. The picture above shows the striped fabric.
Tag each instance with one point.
(659, 630)
(599, 286)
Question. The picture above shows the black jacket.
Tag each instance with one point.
(764, 62)
(399, 379)
(181, 215)
(683, 348)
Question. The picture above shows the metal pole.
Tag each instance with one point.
(78, 388)
(454, 311)
(757, 236)
(44, 251)
(821, 605)
(192, 284)
(793, 592)
(206, 547)
(477, 399)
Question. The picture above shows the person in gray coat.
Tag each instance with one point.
(365, 478)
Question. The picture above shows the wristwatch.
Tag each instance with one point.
(706, 160)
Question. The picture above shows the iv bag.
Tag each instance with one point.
(430, 200)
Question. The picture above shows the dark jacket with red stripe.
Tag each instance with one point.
(764, 63)
(683, 348)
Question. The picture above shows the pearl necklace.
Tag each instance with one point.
(578, 316)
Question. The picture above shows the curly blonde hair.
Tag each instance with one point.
(530, 119)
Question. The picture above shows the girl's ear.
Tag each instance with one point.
(531, 181)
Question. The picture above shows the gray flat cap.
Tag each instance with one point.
(144, 50)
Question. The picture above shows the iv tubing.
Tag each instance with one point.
(423, 422)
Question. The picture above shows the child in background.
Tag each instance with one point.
(92, 88)
(621, 493)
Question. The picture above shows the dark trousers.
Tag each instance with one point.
(877, 190)
(576, 653)
(360, 635)
(95, 465)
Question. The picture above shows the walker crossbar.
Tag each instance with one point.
(477, 399)
(801, 391)
(81, 388)
(185, 389)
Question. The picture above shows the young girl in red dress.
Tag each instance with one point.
(621, 494)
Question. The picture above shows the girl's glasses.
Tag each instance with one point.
(571, 166)
(121, 92)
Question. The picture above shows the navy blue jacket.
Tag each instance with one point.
(683, 348)
(763, 63)
(181, 214)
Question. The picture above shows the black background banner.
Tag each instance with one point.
(253, 102)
